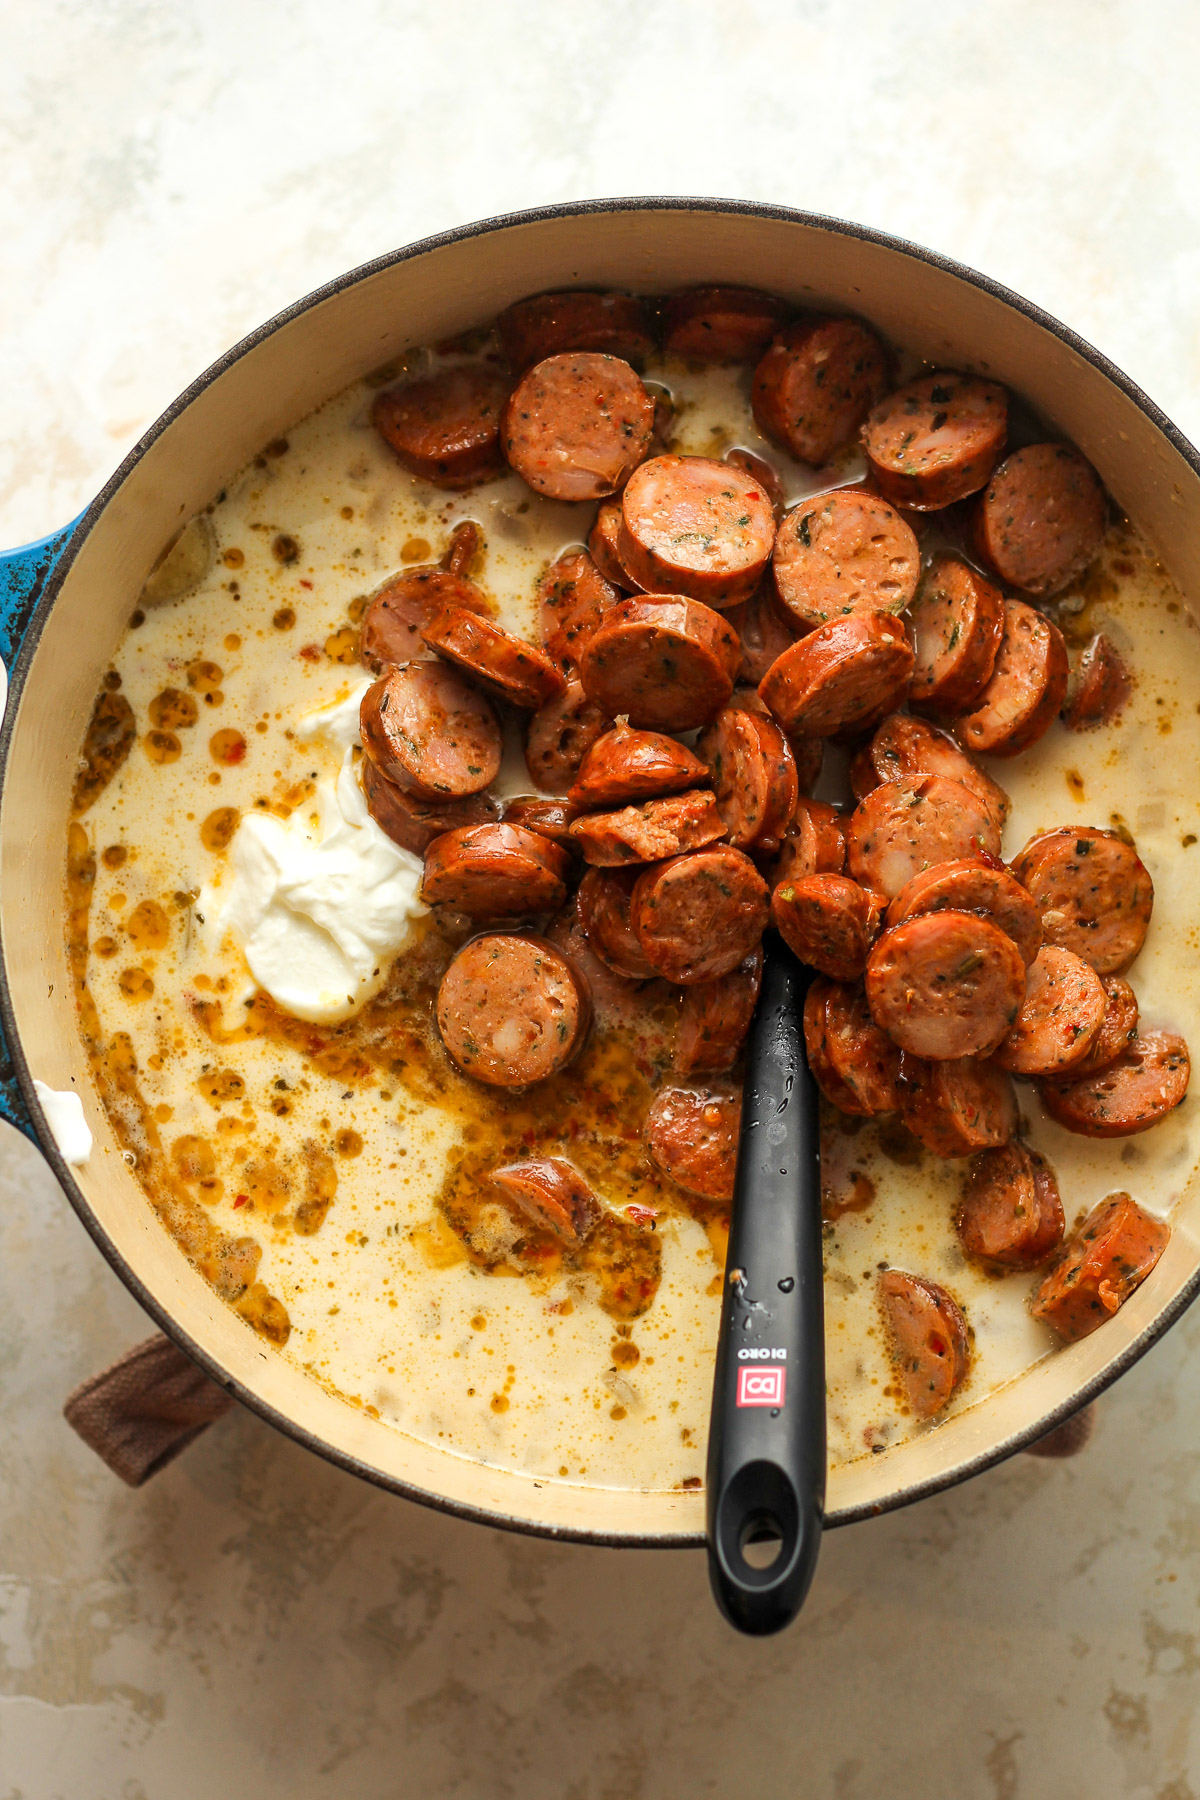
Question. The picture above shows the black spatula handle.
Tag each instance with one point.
(766, 1447)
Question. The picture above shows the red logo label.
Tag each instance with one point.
(762, 1387)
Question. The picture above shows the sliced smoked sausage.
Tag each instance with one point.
(973, 887)
(1100, 687)
(715, 1017)
(936, 440)
(1026, 688)
(827, 921)
(863, 1059)
(603, 541)
(1041, 518)
(698, 916)
(692, 1134)
(957, 623)
(1093, 891)
(842, 553)
(1011, 1215)
(945, 985)
(401, 609)
(576, 426)
(1103, 1261)
(512, 1010)
(576, 319)
(667, 664)
(413, 823)
(814, 843)
(445, 427)
(1060, 1017)
(693, 526)
(428, 730)
(549, 818)
(902, 747)
(495, 871)
(761, 471)
(816, 384)
(1144, 1084)
(928, 1337)
(816, 1044)
(905, 827)
(627, 765)
(1118, 1030)
(651, 831)
(753, 776)
(721, 324)
(763, 630)
(553, 1194)
(839, 676)
(956, 1108)
(505, 665)
(604, 899)
(573, 597)
(559, 736)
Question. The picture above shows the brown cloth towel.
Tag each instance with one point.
(141, 1412)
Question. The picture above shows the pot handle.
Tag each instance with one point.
(24, 573)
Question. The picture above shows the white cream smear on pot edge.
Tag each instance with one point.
(384, 1306)
(68, 1127)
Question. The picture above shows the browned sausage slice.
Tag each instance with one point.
(814, 843)
(512, 1010)
(816, 1042)
(956, 1108)
(1027, 686)
(1100, 1265)
(1133, 1093)
(618, 1003)
(715, 1017)
(553, 1194)
(764, 633)
(505, 665)
(753, 775)
(761, 471)
(1093, 891)
(905, 827)
(693, 526)
(548, 324)
(402, 608)
(549, 818)
(928, 1336)
(428, 730)
(445, 427)
(692, 1134)
(1011, 1215)
(627, 765)
(863, 1058)
(603, 542)
(559, 736)
(1060, 1016)
(839, 676)
(1101, 686)
(936, 440)
(698, 916)
(465, 544)
(721, 324)
(667, 664)
(903, 747)
(576, 426)
(957, 622)
(843, 553)
(604, 898)
(945, 985)
(573, 596)
(1041, 520)
(413, 823)
(973, 887)
(650, 832)
(815, 385)
(825, 920)
(496, 871)
(1118, 1031)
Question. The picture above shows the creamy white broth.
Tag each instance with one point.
(385, 1305)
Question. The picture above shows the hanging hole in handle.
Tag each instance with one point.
(758, 1524)
(761, 1541)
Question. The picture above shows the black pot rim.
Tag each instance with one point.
(18, 674)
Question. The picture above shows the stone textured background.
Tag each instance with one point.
(255, 1623)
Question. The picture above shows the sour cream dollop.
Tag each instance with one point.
(68, 1127)
(319, 910)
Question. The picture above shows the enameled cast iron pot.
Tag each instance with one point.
(64, 604)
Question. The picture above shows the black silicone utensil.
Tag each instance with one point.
(766, 1445)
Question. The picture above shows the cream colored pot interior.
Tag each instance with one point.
(263, 391)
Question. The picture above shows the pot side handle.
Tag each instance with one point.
(24, 573)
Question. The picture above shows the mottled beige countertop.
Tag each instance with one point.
(255, 1623)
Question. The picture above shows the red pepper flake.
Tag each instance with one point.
(242, 1200)
(310, 652)
(641, 1215)
(306, 584)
